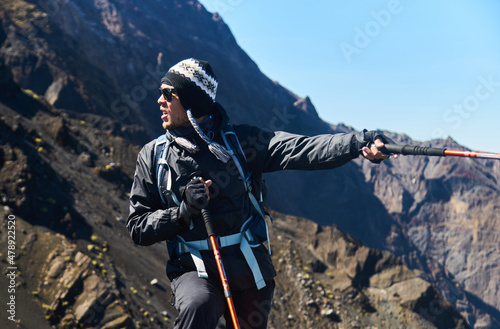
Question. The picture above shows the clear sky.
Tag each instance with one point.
(425, 68)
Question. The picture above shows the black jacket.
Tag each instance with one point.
(149, 222)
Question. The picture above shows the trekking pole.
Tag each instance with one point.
(227, 292)
(433, 151)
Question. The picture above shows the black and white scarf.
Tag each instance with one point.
(204, 130)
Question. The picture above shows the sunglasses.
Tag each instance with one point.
(167, 93)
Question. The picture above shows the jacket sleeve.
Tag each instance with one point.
(148, 222)
(290, 151)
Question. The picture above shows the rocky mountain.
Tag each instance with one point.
(448, 209)
(77, 94)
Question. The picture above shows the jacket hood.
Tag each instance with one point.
(220, 116)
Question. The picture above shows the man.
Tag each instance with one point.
(199, 172)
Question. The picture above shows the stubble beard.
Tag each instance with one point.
(174, 125)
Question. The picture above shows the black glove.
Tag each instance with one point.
(195, 198)
(366, 138)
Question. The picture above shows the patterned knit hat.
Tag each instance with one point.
(195, 83)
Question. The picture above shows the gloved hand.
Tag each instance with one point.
(366, 138)
(195, 198)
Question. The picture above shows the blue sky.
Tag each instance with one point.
(425, 68)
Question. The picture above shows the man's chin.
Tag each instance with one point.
(169, 126)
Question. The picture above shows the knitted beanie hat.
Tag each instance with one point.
(195, 83)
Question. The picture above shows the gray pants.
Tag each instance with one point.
(201, 303)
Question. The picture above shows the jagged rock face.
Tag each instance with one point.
(341, 280)
(99, 63)
(448, 207)
(71, 275)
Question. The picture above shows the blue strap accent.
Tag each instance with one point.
(194, 248)
(252, 263)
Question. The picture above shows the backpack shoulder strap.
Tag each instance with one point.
(160, 165)
(159, 147)
(234, 148)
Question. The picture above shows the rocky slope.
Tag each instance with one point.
(89, 73)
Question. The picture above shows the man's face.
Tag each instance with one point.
(174, 115)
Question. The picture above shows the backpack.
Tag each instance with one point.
(233, 146)
(254, 231)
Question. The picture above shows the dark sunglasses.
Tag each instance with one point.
(167, 93)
